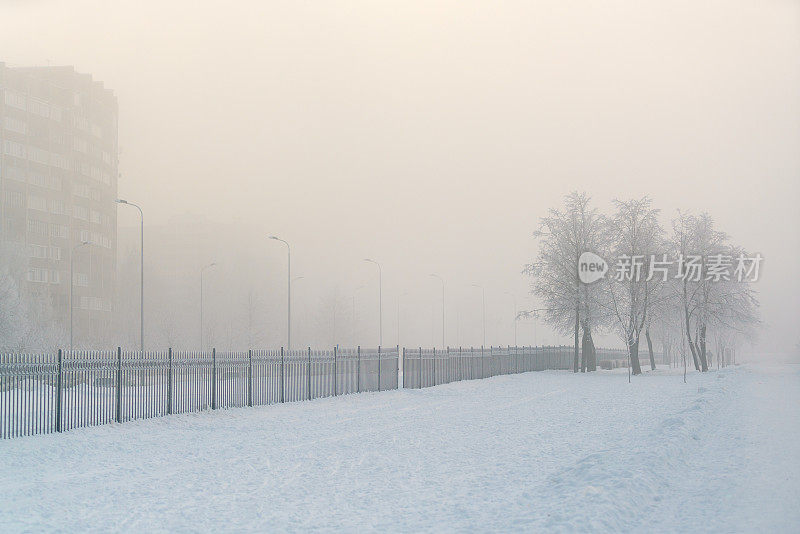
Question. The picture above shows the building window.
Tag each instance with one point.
(37, 107)
(57, 207)
(81, 279)
(15, 125)
(81, 145)
(14, 173)
(38, 155)
(36, 227)
(37, 275)
(15, 100)
(37, 203)
(58, 230)
(80, 212)
(13, 148)
(14, 199)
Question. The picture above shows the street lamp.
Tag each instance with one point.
(202, 270)
(380, 301)
(442, 281)
(141, 272)
(514, 298)
(71, 280)
(288, 291)
(483, 307)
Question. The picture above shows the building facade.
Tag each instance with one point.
(58, 184)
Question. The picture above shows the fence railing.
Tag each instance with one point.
(430, 367)
(41, 393)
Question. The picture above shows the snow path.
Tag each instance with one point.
(544, 450)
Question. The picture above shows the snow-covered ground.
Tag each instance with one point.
(545, 451)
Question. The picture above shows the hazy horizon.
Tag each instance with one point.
(432, 137)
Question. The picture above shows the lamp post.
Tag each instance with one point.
(71, 282)
(380, 301)
(288, 291)
(483, 308)
(514, 298)
(443, 328)
(202, 270)
(141, 271)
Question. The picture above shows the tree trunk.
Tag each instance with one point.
(689, 336)
(576, 363)
(585, 347)
(592, 354)
(702, 341)
(633, 350)
(650, 349)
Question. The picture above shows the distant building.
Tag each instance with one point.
(58, 182)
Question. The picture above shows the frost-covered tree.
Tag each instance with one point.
(711, 296)
(569, 304)
(634, 238)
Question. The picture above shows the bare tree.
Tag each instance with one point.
(569, 304)
(634, 239)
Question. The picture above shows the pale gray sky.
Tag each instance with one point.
(432, 135)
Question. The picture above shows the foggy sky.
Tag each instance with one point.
(431, 136)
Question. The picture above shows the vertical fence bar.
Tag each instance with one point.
(213, 378)
(169, 382)
(358, 369)
(119, 385)
(405, 367)
(434, 366)
(282, 377)
(309, 374)
(58, 392)
(335, 370)
(250, 377)
(379, 367)
(419, 385)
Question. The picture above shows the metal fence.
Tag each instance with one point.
(41, 393)
(430, 367)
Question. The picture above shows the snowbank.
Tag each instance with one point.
(545, 450)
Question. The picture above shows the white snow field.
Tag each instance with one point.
(546, 451)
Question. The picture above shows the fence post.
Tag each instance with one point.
(58, 394)
(282, 377)
(335, 370)
(434, 366)
(119, 384)
(358, 369)
(397, 371)
(403, 384)
(213, 379)
(420, 368)
(379, 367)
(309, 373)
(449, 368)
(250, 377)
(169, 384)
